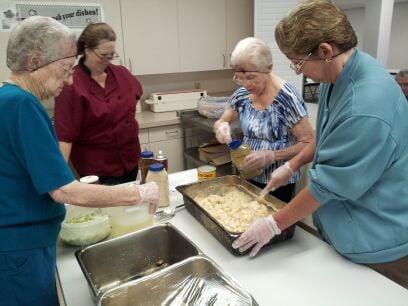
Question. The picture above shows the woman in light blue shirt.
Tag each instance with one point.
(359, 175)
(273, 115)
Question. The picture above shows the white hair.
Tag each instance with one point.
(253, 51)
(37, 35)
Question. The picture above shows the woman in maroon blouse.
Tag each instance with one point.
(95, 116)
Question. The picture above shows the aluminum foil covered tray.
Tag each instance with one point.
(220, 186)
(111, 263)
(194, 281)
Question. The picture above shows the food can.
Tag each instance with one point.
(206, 172)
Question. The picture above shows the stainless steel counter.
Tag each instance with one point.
(302, 271)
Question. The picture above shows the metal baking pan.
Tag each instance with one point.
(219, 186)
(111, 263)
(194, 281)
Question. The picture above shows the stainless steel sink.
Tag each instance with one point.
(194, 281)
(114, 262)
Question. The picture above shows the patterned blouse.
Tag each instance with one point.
(268, 129)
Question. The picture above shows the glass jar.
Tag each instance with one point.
(145, 160)
(158, 174)
(238, 152)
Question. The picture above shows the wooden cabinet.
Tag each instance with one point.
(169, 139)
(150, 36)
(202, 34)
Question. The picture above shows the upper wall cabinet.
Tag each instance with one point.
(183, 35)
(202, 34)
(240, 23)
(150, 36)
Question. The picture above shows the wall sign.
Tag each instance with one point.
(75, 15)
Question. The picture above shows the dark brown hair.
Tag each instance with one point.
(93, 35)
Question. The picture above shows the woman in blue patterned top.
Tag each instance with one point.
(272, 113)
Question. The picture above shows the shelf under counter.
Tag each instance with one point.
(191, 155)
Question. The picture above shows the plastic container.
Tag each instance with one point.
(90, 179)
(127, 219)
(83, 226)
(145, 160)
(160, 158)
(238, 153)
(212, 107)
(158, 174)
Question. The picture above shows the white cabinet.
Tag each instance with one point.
(150, 36)
(169, 139)
(182, 35)
(240, 23)
(202, 34)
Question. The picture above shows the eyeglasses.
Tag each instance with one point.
(298, 66)
(250, 79)
(55, 61)
(106, 57)
(68, 71)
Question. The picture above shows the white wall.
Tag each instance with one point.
(356, 17)
(397, 54)
(267, 15)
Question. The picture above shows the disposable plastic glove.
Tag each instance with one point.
(149, 193)
(222, 131)
(259, 233)
(258, 160)
(279, 177)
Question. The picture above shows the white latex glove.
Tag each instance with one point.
(222, 131)
(279, 177)
(258, 160)
(259, 233)
(149, 193)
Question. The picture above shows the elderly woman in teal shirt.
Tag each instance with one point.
(34, 176)
(359, 175)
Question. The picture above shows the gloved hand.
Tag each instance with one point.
(280, 177)
(149, 193)
(222, 132)
(258, 160)
(260, 232)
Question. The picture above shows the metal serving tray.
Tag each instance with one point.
(194, 281)
(219, 186)
(112, 263)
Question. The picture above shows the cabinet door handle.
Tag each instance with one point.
(130, 65)
(172, 134)
(224, 61)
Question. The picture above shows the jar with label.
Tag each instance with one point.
(238, 153)
(145, 160)
(160, 158)
(158, 174)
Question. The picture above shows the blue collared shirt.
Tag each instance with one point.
(359, 173)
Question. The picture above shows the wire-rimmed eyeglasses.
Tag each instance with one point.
(105, 57)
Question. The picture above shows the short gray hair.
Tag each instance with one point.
(254, 51)
(38, 35)
(402, 73)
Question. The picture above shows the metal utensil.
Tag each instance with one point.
(167, 213)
